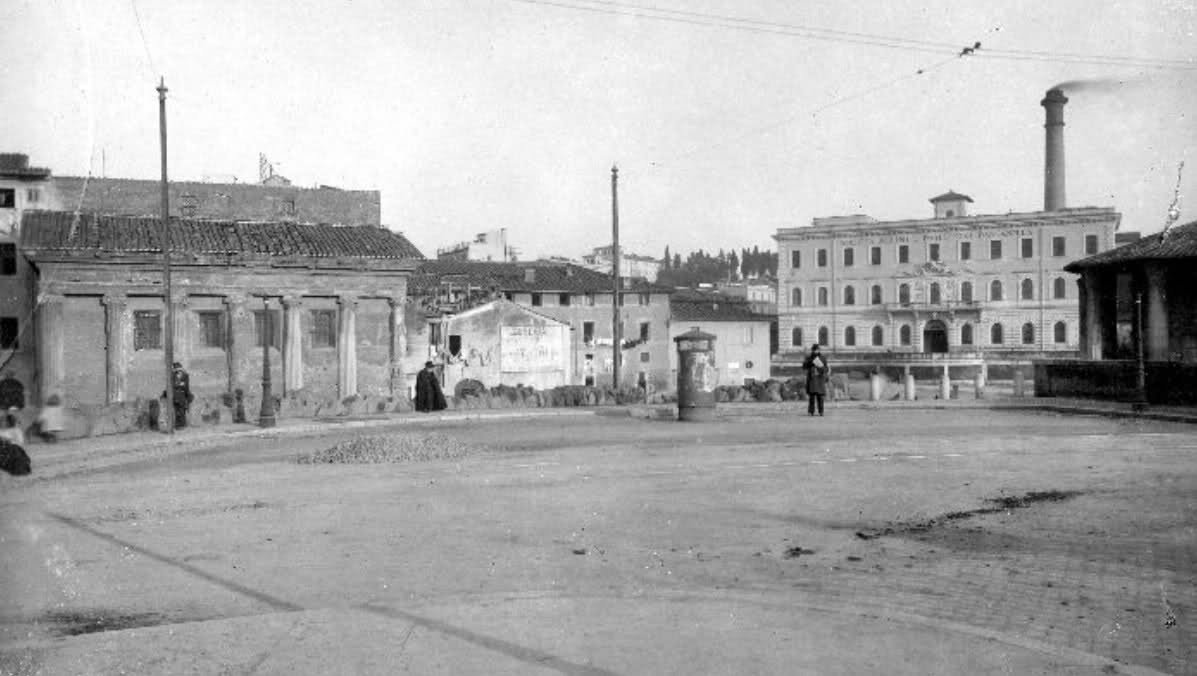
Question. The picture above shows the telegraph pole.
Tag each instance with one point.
(168, 332)
(616, 328)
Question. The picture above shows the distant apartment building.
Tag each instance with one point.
(22, 188)
(486, 246)
(760, 293)
(631, 266)
(951, 283)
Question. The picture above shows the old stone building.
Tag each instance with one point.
(326, 302)
(741, 335)
(503, 343)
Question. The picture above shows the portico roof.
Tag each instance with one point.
(1179, 243)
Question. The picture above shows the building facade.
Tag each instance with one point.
(503, 343)
(486, 246)
(742, 350)
(631, 266)
(325, 301)
(953, 283)
(22, 188)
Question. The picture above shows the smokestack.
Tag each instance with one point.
(1053, 157)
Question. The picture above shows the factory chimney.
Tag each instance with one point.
(1053, 157)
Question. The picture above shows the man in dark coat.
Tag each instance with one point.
(180, 383)
(428, 390)
(816, 379)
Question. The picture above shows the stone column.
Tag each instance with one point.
(1091, 316)
(292, 345)
(180, 305)
(398, 347)
(50, 345)
(116, 346)
(234, 348)
(347, 347)
(1156, 314)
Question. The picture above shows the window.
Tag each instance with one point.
(822, 295)
(904, 294)
(796, 297)
(454, 345)
(824, 336)
(995, 249)
(904, 334)
(266, 323)
(1059, 288)
(1058, 246)
(1028, 289)
(537, 300)
(935, 293)
(966, 250)
(1061, 332)
(966, 292)
(8, 258)
(588, 300)
(849, 257)
(875, 294)
(1028, 334)
(147, 330)
(933, 251)
(644, 298)
(644, 357)
(903, 253)
(849, 295)
(211, 328)
(822, 255)
(995, 290)
(966, 334)
(875, 255)
(748, 336)
(796, 337)
(33, 195)
(9, 333)
(644, 331)
(8, 198)
(1028, 247)
(563, 299)
(587, 332)
(850, 336)
(1090, 245)
(995, 334)
(795, 259)
(324, 328)
(287, 207)
(878, 336)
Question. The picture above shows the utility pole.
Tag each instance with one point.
(616, 328)
(168, 332)
(1141, 366)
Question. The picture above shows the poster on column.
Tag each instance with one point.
(524, 349)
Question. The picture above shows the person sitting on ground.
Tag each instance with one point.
(12, 429)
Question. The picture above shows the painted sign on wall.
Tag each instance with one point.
(531, 348)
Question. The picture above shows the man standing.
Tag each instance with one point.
(816, 380)
(180, 383)
(428, 390)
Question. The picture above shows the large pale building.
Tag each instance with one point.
(953, 283)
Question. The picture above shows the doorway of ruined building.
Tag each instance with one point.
(935, 336)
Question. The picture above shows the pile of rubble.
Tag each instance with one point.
(383, 448)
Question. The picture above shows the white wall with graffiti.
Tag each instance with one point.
(502, 343)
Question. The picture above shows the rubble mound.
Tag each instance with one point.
(383, 448)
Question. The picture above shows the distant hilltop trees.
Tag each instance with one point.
(701, 267)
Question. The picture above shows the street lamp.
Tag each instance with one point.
(266, 414)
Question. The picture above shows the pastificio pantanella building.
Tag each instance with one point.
(953, 284)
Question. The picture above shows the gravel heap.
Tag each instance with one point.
(378, 448)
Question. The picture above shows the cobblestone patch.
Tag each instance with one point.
(383, 448)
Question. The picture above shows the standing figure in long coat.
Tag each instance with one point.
(428, 390)
(180, 383)
(816, 379)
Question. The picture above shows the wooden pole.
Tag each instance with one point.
(616, 325)
(168, 330)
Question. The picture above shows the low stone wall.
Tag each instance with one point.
(1167, 382)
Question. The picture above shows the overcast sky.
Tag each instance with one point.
(470, 115)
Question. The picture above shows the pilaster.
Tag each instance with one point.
(116, 347)
(50, 345)
(347, 347)
(292, 344)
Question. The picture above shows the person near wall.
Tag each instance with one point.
(428, 390)
(49, 423)
(180, 382)
(816, 370)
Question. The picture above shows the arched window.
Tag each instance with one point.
(966, 292)
(1059, 288)
(1061, 331)
(995, 334)
(824, 335)
(822, 295)
(904, 334)
(796, 297)
(904, 294)
(1028, 289)
(995, 290)
(849, 295)
(875, 294)
(935, 299)
(1028, 334)
(966, 334)
(850, 336)
(796, 337)
(878, 336)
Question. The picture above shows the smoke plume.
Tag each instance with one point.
(1096, 84)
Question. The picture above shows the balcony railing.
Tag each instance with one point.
(928, 306)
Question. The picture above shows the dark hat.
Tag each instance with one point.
(176, 365)
(814, 347)
(427, 364)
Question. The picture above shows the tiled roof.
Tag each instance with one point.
(514, 277)
(713, 310)
(58, 231)
(1181, 242)
(950, 196)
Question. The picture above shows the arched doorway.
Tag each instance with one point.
(935, 336)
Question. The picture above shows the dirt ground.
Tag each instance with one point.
(766, 542)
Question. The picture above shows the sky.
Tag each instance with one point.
(728, 119)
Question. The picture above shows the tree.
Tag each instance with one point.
(667, 260)
(733, 265)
